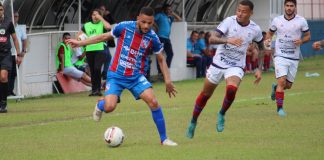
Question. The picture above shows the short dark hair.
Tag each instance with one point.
(66, 34)
(147, 11)
(247, 3)
(194, 32)
(165, 6)
(293, 1)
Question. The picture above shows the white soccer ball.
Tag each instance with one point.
(114, 136)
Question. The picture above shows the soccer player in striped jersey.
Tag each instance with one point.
(292, 31)
(128, 67)
(234, 34)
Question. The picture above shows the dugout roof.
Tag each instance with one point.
(53, 13)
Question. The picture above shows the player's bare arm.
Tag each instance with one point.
(217, 38)
(258, 71)
(92, 40)
(318, 45)
(170, 88)
(306, 38)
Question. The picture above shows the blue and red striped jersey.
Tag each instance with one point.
(132, 50)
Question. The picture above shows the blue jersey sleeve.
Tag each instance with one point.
(117, 30)
(157, 17)
(157, 45)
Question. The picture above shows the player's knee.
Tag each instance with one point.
(109, 107)
(153, 103)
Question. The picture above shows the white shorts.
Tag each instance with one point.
(285, 67)
(73, 72)
(216, 75)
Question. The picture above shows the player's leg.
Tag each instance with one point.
(213, 77)
(5, 66)
(281, 71)
(3, 90)
(85, 79)
(141, 88)
(233, 78)
(109, 102)
(149, 98)
(280, 94)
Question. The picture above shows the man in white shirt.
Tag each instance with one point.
(234, 34)
(16, 60)
(292, 31)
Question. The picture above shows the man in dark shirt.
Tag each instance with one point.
(6, 30)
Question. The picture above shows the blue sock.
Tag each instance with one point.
(100, 105)
(159, 122)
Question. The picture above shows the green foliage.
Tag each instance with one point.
(60, 127)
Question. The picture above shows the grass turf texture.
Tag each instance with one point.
(60, 126)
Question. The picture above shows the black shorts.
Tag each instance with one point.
(5, 62)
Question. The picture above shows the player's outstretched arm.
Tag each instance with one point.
(170, 88)
(318, 45)
(92, 40)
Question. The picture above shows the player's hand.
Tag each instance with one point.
(317, 45)
(19, 60)
(170, 89)
(73, 42)
(298, 42)
(258, 76)
(235, 41)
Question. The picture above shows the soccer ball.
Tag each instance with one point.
(114, 136)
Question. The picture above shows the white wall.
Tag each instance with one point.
(38, 68)
(261, 13)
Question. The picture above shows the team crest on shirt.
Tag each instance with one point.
(107, 86)
(2, 31)
(144, 43)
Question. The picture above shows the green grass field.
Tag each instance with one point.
(60, 126)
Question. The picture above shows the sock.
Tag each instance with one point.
(228, 99)
(159, 122)
(199, 106)
(3, 91)
(248, 63)
(255, 64)
(100, 105)
(266, 62)
(279, 99)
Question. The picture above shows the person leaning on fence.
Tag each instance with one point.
(22, 41)
(7, 30)
(64, 62)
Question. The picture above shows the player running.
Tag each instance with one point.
(234, 35)
(128, 67)
(289, 28)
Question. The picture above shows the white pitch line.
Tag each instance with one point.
(142, 112)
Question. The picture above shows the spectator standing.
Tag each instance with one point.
(95, 53)
(22, 41)
(163, 22)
